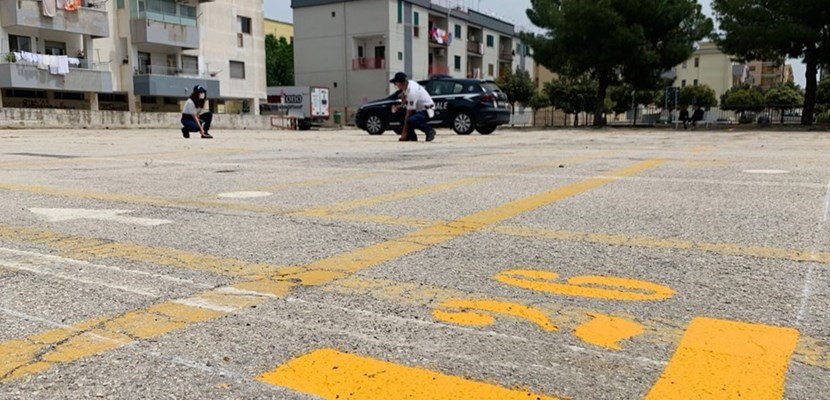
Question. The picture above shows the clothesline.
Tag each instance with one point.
(51, 7)
(56, 65)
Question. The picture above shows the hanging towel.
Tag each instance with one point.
(74, 61)
(61, 4)
(44, 61)
(63, 65)
(49, 8)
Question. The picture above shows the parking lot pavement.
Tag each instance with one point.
(564, 264)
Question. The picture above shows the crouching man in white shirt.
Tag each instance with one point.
(419, 108)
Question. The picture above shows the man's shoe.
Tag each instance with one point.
(185, 133)
(431, 135)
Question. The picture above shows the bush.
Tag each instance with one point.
(823, 118)
(747, 118)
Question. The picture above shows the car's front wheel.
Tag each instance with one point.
(375, 125)
(486, 130)
(463, 123)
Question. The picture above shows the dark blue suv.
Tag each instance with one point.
(465, 105)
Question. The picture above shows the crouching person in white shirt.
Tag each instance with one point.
(193, 119)
(419, 108)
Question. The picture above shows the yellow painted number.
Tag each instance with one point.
(599, 287)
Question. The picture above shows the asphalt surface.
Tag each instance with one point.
(609, 264)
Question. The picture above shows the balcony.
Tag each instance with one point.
(475, 48)
(159, 29)
(437, 69)
(171, 82)
(29, 14)
(360, 64)
(84, 78)
(506, 55)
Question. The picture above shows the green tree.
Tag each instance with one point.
(621, 98)
(742, 99)
(784, 97)
(539, 101)
(823, 94)
(573, 96)
(615, 39)
(698, 96)
(279, 61)
(774, 29)
(518, 86)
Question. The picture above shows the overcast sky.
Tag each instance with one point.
(515, 13)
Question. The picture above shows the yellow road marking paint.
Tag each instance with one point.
(39, 352)
(317, 182)
(659, 243)
(334, 375)
(377, 254)
(657, 331)
(606, 331)
(720, 359)
(91, 249)
(586, 286)
(471, 315)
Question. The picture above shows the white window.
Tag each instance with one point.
(237, 70)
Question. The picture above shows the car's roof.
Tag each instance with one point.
(465, 81)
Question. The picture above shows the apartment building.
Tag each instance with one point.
(709, 66)
(767, 74)
(136, 55)
(279, 29)
(354, 47)
(48, 57)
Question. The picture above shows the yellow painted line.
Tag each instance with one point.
(438, 187)
(139, 199)
(406, 194)
(675, 244)
(334, 375)
(702, 149)
(88, 249)
(374, 255)
(38, 162)
(317, 182)
(720, 359)
(39, 352)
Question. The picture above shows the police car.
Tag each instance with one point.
(465, 105)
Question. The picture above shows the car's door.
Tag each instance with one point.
(445, 94)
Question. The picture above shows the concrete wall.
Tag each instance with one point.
(11, 118)
(279, 29)
(148, 31)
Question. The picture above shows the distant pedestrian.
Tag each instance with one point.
(697, 116)
(419, 108)
(684, 117)
(193, 117)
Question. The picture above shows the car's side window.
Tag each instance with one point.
(458, 88)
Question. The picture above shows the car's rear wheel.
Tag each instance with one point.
(463, 123)
(486, 130)
(375, 125)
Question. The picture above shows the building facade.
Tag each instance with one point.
(709, 66)
(136, 55)
(280, 29)
(354, 47)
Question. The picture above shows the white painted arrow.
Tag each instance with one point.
(69, 214)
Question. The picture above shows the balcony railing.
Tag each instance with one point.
(359, 64)
(437, 69)
(506, 55)
(475, 47)
(168, 71)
